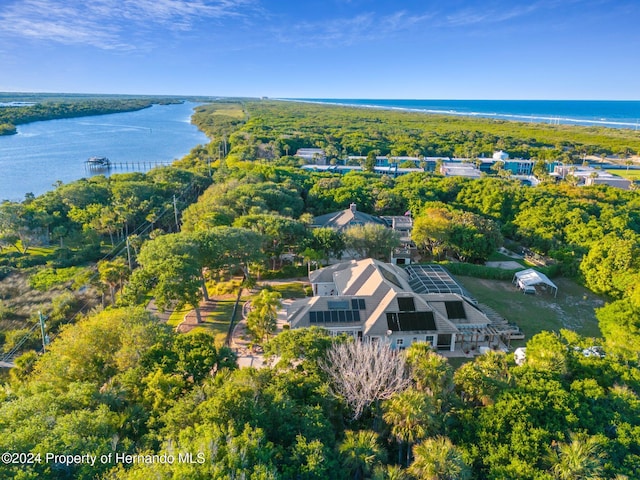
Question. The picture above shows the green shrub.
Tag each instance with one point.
(62, 257)
(30, 261)
(5, 311)
(5, 271)
(288, 271)
(32, 340)
(48, 278)
(225, 288)
(88, 253)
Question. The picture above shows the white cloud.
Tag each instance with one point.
(489, 14)
(367, 26)
(350, 30)
(101, 23)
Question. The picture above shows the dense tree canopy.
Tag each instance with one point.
(117, 380)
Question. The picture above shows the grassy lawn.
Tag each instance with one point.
(572, 309)
(217, 322)
(31, 251)
(628, 174)
(229, 110)
(177, 316)
(40, 251)
(501, 257)
(290, 290)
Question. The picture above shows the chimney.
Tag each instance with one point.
(352, 207)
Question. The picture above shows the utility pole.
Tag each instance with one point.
(45, 337)
(129, 253)
(175, 213)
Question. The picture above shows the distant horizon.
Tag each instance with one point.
(585, 112)
(343, 49)
(178, 95)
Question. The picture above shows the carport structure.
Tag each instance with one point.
(532, 278)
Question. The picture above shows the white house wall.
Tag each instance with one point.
(324, 289)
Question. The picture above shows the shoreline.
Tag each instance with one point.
(544, 119)
(133, 141)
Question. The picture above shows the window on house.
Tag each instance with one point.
(357, 303)
(338, 304)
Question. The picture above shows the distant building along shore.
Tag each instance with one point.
(520, 169)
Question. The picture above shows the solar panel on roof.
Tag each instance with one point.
(406, 304)
(455, 310)
(334, 316)
(410, 321)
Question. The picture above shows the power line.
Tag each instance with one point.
(116, 250)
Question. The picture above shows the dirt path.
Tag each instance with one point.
(162, 316)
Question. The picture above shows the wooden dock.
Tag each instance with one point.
(134, 166)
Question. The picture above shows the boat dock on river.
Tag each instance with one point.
(103, 163)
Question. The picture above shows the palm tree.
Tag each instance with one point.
(579, 459)
(431, 372)
(360, 451)
(438, 459)
(113, 274)
(409, 414)
(261, 321)
(389, 472)
(311, 256)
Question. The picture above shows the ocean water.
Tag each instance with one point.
(604, 113)
(42, 153)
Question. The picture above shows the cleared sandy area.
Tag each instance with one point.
(509, 265)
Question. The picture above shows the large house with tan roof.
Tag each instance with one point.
(352, 217)
(343, 219)
(381, 302)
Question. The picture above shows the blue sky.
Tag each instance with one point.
(431, 49)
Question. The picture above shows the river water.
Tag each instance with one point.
(44, 152)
